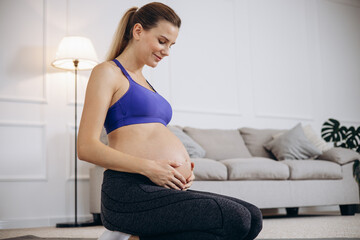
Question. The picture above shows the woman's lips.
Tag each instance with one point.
(157, 57)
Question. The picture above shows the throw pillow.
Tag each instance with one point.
(219, 143)
(256, 138)
(340, 155)
(313, 138)
(194, 149)
(293, 144)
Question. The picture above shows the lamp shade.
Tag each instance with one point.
(75, 48)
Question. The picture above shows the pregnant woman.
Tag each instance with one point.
(145, 187)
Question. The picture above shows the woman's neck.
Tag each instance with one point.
(130, 60)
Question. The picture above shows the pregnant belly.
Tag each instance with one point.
(157, 145)
(185, 168)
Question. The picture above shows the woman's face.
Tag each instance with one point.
(154, 44)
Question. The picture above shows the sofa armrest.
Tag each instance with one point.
(96, 178)
(340, 155)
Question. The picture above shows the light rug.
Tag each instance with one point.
(32, 237)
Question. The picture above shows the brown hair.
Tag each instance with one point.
(148, 16)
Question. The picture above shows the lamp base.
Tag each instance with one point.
(78, 224)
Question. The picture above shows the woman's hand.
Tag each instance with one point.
(190, 180)
(164, 174)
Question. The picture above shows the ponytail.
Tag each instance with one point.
(148, 16)
(122, 35)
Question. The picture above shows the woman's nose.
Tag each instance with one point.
(165, 51)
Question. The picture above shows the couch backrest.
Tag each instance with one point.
(219, 144)
(256, 138)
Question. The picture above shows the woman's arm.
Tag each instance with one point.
(99, 92)
(100, 89)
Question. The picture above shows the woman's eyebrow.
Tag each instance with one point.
(167, 39)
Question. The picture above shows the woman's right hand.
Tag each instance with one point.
(164, 174)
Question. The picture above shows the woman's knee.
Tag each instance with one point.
(247, 223)
(237, 220)
(244, 222)
(256, 217)
(256, 222)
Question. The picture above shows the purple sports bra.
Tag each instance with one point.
(137, 105)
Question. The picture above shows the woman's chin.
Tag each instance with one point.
(152, 64)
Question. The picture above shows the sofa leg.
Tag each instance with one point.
(348, 210)
(292, 211)
(357, 210)
(97, 219)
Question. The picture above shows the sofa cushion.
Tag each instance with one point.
(256, 138)
(218, 143)
(293, 144)
(194, 149)
(208, 169)
(256, 168)
(313, 169)
(340, 155)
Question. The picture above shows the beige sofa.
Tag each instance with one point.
(237, 163)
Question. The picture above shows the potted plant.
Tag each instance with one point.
(346, 137)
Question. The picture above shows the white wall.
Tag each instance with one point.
(258, 63)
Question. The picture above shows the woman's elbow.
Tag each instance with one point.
(82, 150)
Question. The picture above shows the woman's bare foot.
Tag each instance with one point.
(134, 238)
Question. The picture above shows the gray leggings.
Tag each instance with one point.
(132, 204)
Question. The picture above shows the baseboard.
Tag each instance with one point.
(40, 222)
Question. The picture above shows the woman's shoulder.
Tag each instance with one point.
(106, 67)
(106, 72)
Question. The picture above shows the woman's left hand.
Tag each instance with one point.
(190, 180)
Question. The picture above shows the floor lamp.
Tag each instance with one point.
(75, 53)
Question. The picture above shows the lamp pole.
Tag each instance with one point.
(75, 223)
(72, 50)
(76, 63)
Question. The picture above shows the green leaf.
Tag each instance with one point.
(356, 171)
(331, 131)
(352, 138)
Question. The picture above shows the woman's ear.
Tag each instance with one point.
(137, 30)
